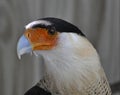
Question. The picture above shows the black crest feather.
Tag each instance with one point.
(61, 25)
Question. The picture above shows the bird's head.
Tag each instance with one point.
(44, 34)
(68, 56)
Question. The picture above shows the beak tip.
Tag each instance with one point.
(19, 56)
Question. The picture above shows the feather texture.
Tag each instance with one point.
(73, 68)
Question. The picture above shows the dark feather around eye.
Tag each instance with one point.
(52, 31)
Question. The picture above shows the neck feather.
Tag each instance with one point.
(72, 62)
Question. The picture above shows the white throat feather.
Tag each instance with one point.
(72, 64)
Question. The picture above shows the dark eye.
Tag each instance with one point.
(52, 31)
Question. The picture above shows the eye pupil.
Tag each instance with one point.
(52, 31)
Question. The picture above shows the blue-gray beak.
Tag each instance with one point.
(23, 46)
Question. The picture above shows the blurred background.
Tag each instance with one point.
(98, 19)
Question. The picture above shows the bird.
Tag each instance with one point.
(71, 63)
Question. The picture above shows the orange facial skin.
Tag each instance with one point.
(40, 39)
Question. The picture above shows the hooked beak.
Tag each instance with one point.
(23, 46)
(36, 39)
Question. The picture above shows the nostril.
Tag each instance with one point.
(28, 35)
